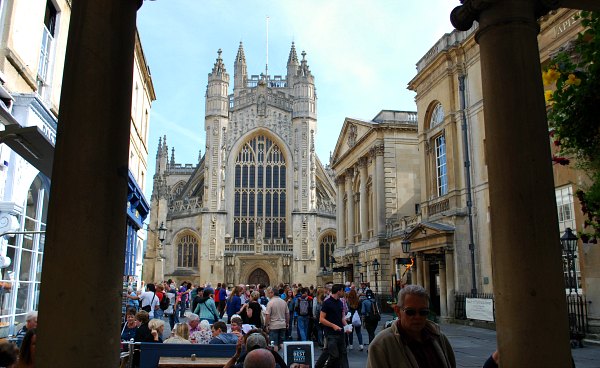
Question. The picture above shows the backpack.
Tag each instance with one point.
(164, 302)
(374, 315)
(303, 306)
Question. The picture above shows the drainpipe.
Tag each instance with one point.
(461, 86)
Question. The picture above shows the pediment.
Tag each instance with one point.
(427, 236)
(352, 132)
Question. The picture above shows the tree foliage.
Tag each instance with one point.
(574, 114)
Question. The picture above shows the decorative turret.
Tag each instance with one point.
(292, 66)
(217, 101)
(240, 74)
(173, 157)
(162, 155)
(305, 102)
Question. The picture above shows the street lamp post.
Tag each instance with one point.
(376, 269)
(159, 270)
(569, 246)
(357, 267)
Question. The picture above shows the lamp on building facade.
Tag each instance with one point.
(376, 270)
(569, 247)
(406, 246)
(162, 233)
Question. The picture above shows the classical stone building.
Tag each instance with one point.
(258, 207)
(454, 200)
(455, 207)
(376, 165)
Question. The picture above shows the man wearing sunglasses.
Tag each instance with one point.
(412, 341)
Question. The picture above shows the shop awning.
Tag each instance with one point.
(31, 144)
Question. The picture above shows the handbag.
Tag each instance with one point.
(148, 307)
(356, 322)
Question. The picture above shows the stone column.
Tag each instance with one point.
(364, 201)
(443, 291)
(350, 206)
(425, 275)
(380, 173)
(419, 280)
(523, 212)
(341, 218)
(85, 238)
(449, 263)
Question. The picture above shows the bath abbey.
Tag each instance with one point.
(258, 206)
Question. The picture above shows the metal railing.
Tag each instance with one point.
(460, 303)
(577, 313)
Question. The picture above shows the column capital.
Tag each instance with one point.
(363, 162)
(349, 174)
(340, 180)
(377, 150)
(463, 16)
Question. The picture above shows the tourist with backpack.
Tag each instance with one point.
(304, 311)
(371, 312)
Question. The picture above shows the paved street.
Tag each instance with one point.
(472, 346)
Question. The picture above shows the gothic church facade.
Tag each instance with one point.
(259, 205)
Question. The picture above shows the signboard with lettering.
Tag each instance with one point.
(299, 354)
(481, 309)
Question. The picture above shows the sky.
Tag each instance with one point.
(362, 54)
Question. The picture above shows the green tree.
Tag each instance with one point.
(574, 114)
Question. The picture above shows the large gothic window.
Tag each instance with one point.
(259, 194)
(187, 252)
(327, 247)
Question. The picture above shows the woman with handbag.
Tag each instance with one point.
(206, 308)
(354, 309)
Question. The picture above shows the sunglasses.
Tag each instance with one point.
(411, 312)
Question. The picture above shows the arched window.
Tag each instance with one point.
(437, 116)
(187, 252)
(259, 191)
(441, 172)
(327, 247)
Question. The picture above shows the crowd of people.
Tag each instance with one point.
(226, 315)
(258, 319)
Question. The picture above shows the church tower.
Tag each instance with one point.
(256, 206)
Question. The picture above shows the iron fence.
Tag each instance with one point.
(577, 312)
(460, 302)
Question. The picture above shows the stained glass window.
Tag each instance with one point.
(260, 192)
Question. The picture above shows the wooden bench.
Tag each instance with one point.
(150, 353)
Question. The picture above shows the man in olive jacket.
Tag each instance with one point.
(412, 341)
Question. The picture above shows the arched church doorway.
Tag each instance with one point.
(258, 276)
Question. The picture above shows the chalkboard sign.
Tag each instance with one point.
(299, 352)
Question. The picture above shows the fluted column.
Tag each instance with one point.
(425, 275)
(364, 201)
(450, 289)
(443, 291)
(419, 280)
(380, 173)
(350, 206)
(86, 232)
(340, 211)
(521, 186)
